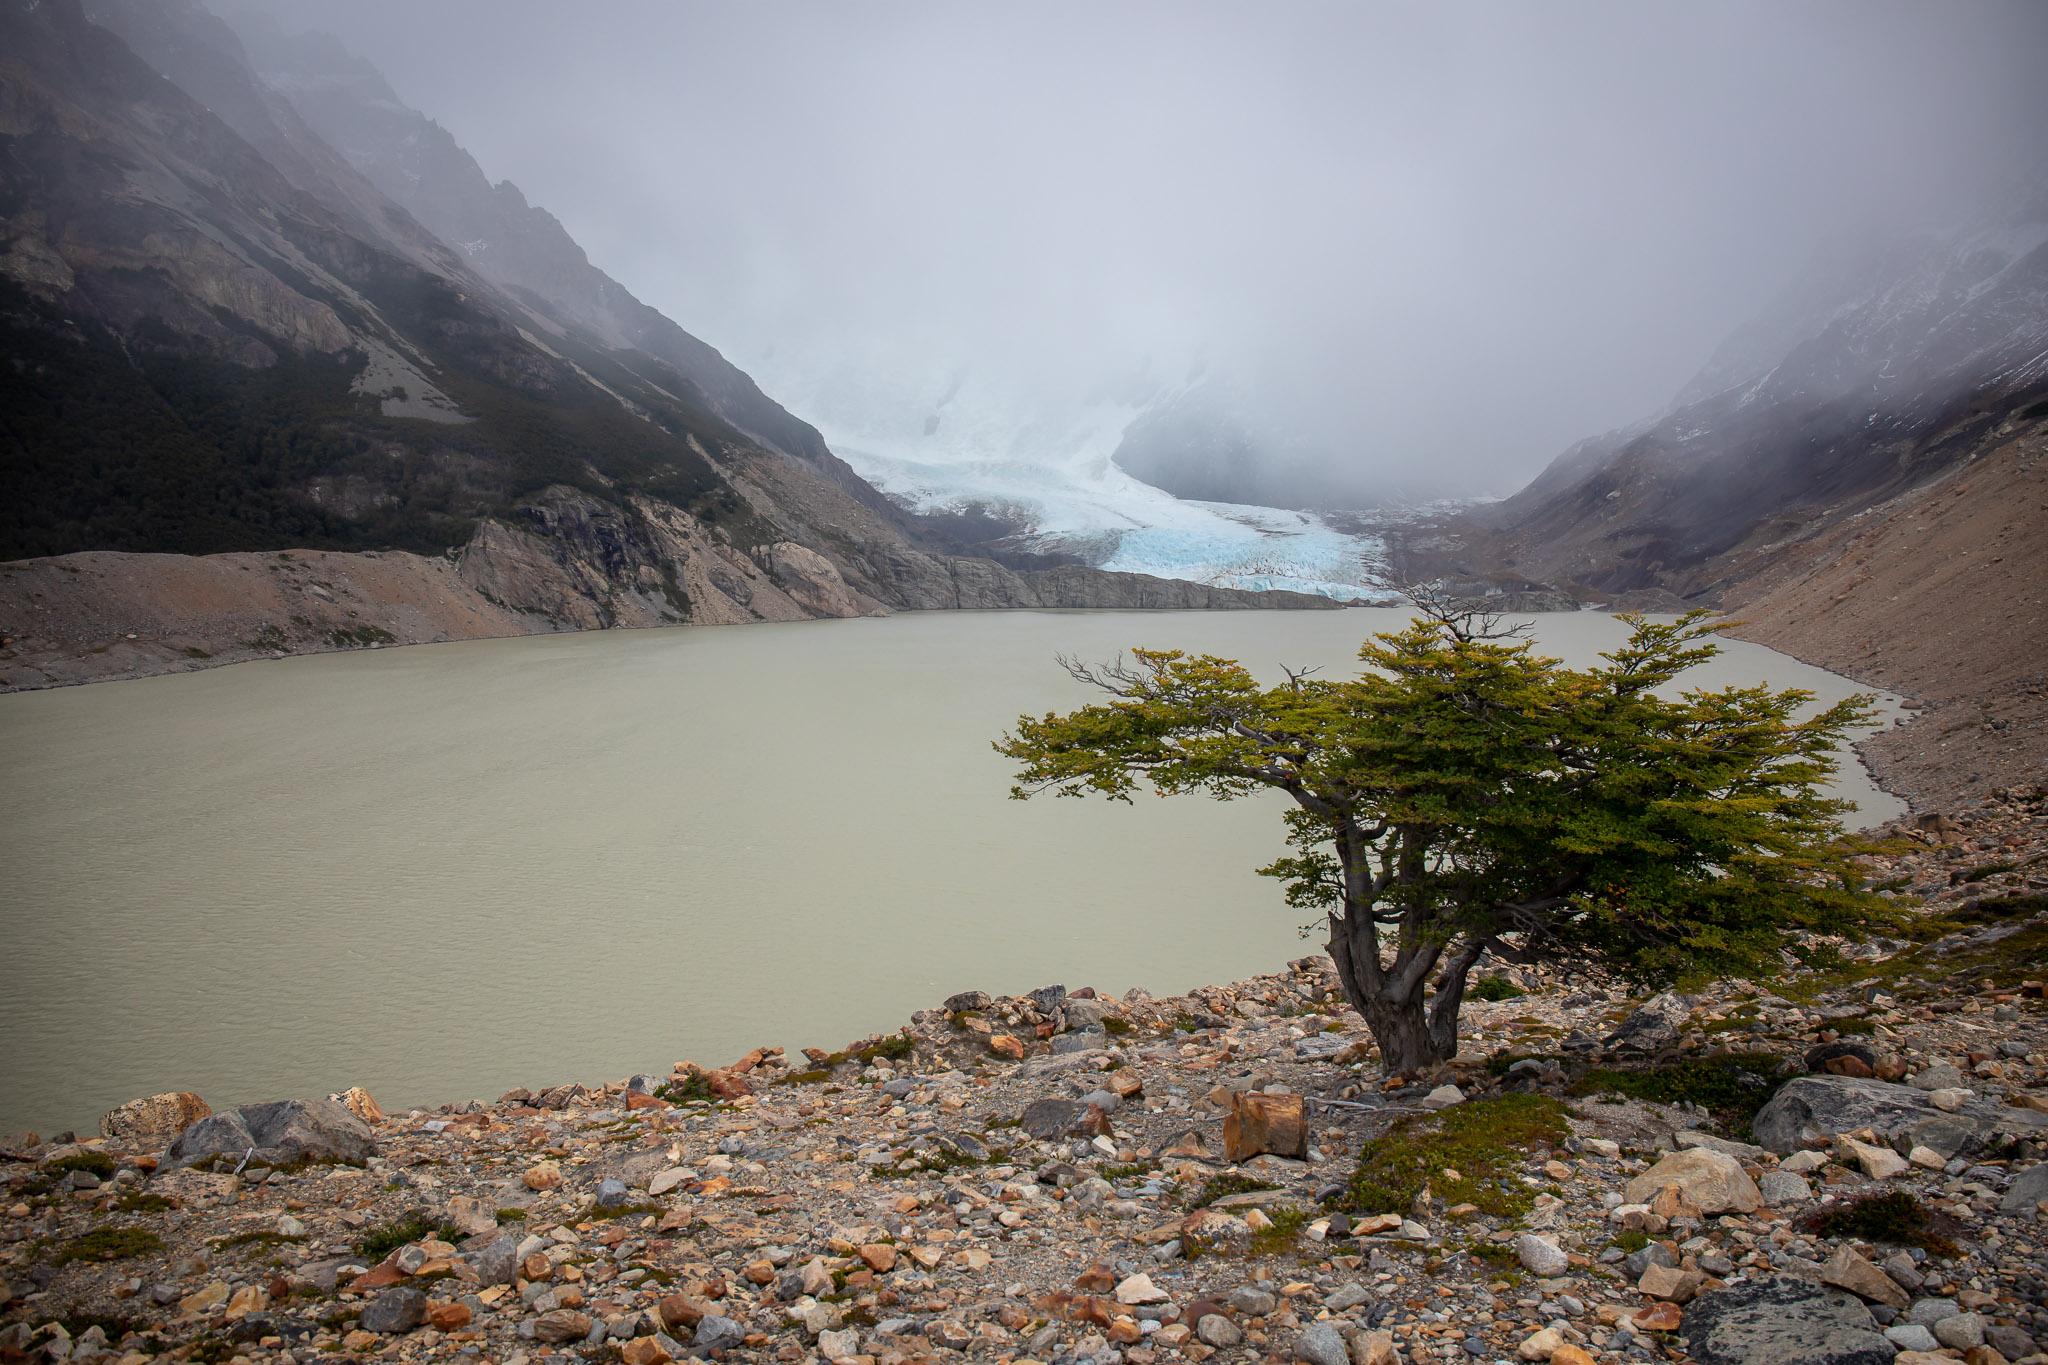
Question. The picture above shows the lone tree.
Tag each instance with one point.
(1464, 795)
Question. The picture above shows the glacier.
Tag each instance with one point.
(1045, 467)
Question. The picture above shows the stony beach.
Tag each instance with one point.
(1836, 1166)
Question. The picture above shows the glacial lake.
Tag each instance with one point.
(445, 871)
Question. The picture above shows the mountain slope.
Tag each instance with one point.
(219, 336)
(1848, 395)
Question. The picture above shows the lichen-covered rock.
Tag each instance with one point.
(154, 1120)
(1783, 1320)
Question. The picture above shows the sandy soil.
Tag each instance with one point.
(1942, 595)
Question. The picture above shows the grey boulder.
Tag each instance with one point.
(1810, 1110)
(2027, 1191)
(395, 1310)
(716, 1333)
(1319, 1344)
(281, 1132)
(1654, 1026)
(1783, 1320)
(1048, 1120)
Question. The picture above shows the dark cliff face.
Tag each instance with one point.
(1866, 382)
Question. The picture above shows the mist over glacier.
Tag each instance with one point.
(1039, 462)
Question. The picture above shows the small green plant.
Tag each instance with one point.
(1631, 1239)
(1494, 988)
(1484, 1141)
(137, 1202)
(1222, 1186)
(381, 1242)
(110, 1244)
(696, 1085)
(627, 1211)
(93, 1163)
(360, 637)
(1493, 1253)
(1896, 1217)
(1283, 1235)
(1115, 1027)
(511, 1215)
(1130, 1171)
(1983, 870)
(895, 1047)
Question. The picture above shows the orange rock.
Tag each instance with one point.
(1124, 1331)
(1003, 1045)
(1569, 1354)
(1849, 1066)
(1259, 1123)
(1659, 1317)
(636, 1100)
(361, 1105)
(644, 1351)
(880, 1257)
(1099, 1278)
(447, 1317)
(759, 1272)
(377, 1278)
(544, 1176)
(726, 1086)
(681, 1310)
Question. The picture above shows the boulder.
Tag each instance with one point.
(1940, 1076)
(1319, 1344)
(1847, 1270)
(1539, 1257)
(1049, 1120)
(1259, 1123)
(715, 1332)
(2027, 1191)
(1783, 1187)
(155, 1120)
(1654, 1026)
(1811, 1110)
(395, 1310)
(1783, 1320)
(281, 1132)
(1713, 1181)
(967, 1001)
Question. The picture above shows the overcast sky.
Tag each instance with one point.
(1445, 236)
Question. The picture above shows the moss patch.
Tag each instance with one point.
(1484, 1141)
(1493, 988)
(95, 1163)
(110, 1244)
(1731, 1088)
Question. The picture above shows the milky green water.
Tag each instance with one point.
(444, 871)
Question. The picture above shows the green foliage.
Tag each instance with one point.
(1222, 1186)
(1463, 794)
(511, 1215)
(1484, 1141)
(1494, 988)
(1983, 870)
(381, 1242)
(1896, 1217)
(1115, 1027)
(1631, 1239)
(696, 1085)
(1731, 1087)
(360, 637)
(894, 1047)
(110, 1244)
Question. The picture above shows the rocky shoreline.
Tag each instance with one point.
(1066, 1178)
